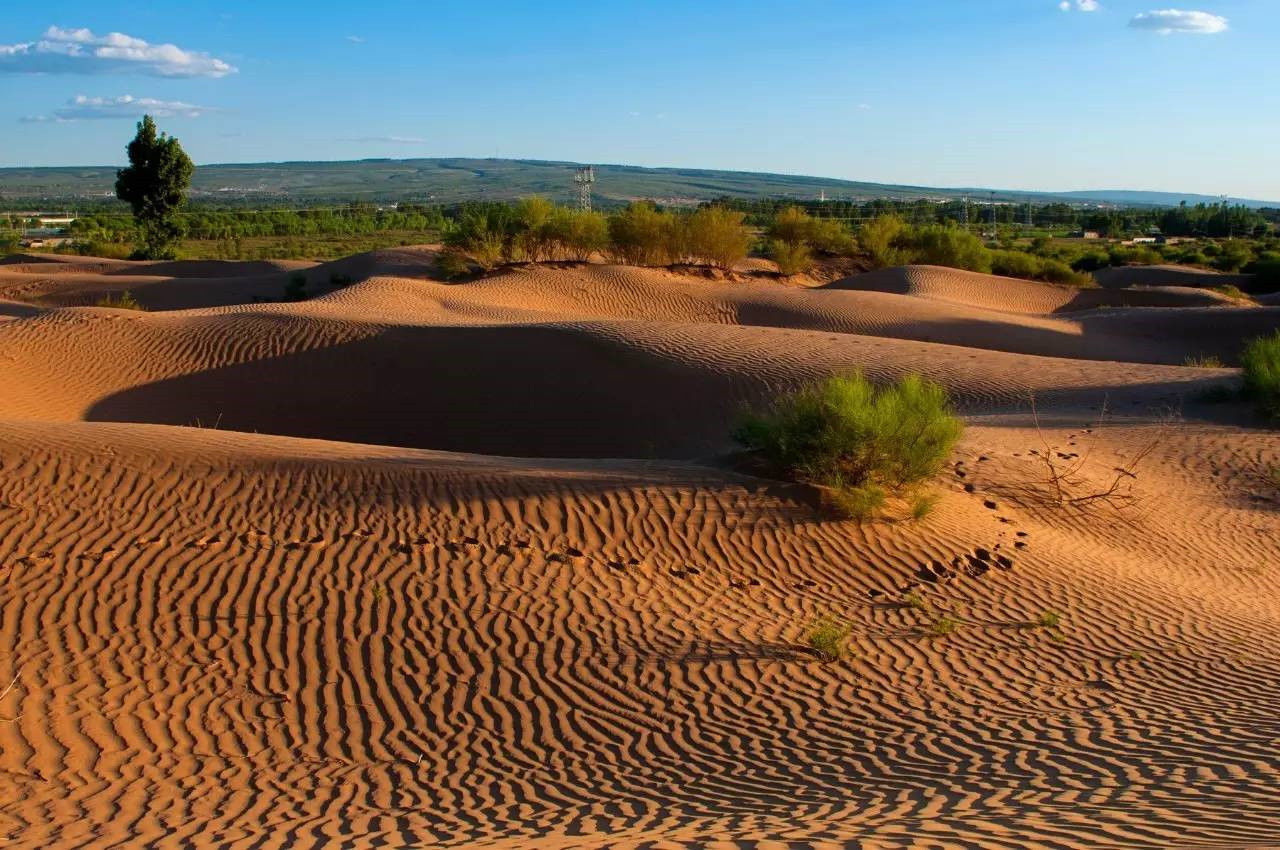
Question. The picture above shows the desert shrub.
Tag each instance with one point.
(1232, 257)
(942, 245)
(452, 263)
(862, 502)
(1056, 271)
(641, 235)
(1261, 364)
(944, 626)
(1015, 264)
(923, 504)
(1202, 361)
(1233, 292)
(531, 238)
(794, 227)
(1049, 620)
(487, 248)
(827, 637)
(792, 258)
(879, 239)
(484, 235)
(1091, 261)
(831, 237)
(575, 234)
(120, 301)
(1133, 255)
(99, 248)
(862, 442)
(717, 237)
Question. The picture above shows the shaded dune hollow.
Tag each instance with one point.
(419, 563)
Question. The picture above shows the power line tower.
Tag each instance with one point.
(964, 213)
(583, 180)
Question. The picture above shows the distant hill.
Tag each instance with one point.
(455, 179)
(1159, 199)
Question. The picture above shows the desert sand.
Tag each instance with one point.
(417, 563)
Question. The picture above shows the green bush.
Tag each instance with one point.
(943, 245)
(862, 442)
(879, 239)
(794, 227)
(827, 637)
(120, 301)
(452, 263)
(716, 236)
(1233, 292)
(1261, 364)
(1032, 267)
(792, 258)
(1016, 264)
(575, 234)
(641, 235)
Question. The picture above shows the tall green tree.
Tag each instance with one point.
(155, 185)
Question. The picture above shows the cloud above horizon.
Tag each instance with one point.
(80, 51)
(1170, 21)
(1080, 5)
(84, 108)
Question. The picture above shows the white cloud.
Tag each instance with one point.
(1168, 21)
(79, 51)
(355, 39)
(1080, 5)
(83, 108)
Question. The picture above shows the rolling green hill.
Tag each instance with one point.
(453, 180)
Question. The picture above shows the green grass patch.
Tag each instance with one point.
(862, 442)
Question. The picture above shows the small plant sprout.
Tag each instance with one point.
(1049, 620)
(944, 626)
(379, 593)
(914, 601)
(828, 636)
(923, 504)
(120, 301)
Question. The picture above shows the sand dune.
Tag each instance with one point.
(1118, 277)
(445, 624)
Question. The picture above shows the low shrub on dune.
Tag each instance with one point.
(862, 443)
(120, 301)
(1261, 364)
(641, 235)
(717, 237)
(792, 258)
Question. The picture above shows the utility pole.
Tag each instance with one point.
(583, 179)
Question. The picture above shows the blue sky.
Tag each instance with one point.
(1001, 93)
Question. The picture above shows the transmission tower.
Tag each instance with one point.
(583, 179)
(964, 213)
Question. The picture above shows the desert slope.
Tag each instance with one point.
(245, 641)
(485, 576)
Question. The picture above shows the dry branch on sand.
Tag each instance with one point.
(1076, 481)
(4, 694)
